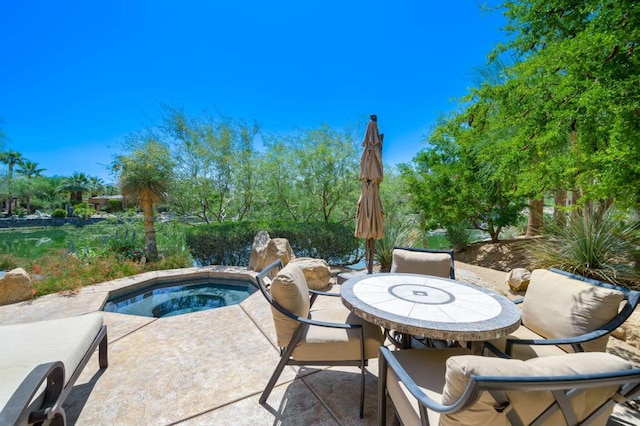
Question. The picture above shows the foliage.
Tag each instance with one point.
(82, 210)
(145, 176)
(452, 182)
(59, 213)
(230, 243)
(459, 235)
(596, 243)
(397, 233)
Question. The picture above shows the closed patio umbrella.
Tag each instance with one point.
(370, 215)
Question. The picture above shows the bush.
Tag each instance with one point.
(230, 243)
(83, 211)
(396, 234)
(458, 235)
(59, 213)
(115, 206)
(595, 244)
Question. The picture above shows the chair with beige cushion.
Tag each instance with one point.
(438, 263)
(451, 387)
(41, 361)
(306, 336)
(564, 312)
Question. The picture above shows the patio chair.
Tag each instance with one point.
(409, 260)
(448, 387)
(306, 336)
(41, 361)
(563, 312)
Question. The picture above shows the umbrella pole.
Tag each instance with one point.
(370, 248)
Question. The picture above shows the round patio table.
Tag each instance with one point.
(430, 307)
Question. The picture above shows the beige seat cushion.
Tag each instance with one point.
(559, 306)
(528, 405)
(337, 344)
(289, 289)
(25, 346)
(525, 352)
(427, 368)
(415, 262)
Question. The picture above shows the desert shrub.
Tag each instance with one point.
(115, 206)
(59, 213)
(9, 262)
(458, 235)
(229, 243)
(82, 210)
(396, 234)
(598, 244)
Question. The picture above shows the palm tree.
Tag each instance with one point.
(29, 169)
(75, 185)
(145, 177)
(10, 158)
(95, 185)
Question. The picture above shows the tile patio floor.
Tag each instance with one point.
(205, 368)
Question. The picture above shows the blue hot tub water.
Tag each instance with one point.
(182, 297)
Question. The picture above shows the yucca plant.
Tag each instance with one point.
(595, 244)
(396, 233)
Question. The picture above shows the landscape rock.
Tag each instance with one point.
(316, 272)
(15, 286)
(265, 251)
(518, 279)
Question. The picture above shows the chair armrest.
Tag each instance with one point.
(518, 301)
(323, 293)
(16, 410)
(388, 360)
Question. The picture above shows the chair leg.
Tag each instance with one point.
(284, 359)
(382, 391)
(103, 358)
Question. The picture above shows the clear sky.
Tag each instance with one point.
(77, 76)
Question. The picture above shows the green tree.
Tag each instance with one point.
(573, 97)
(145, 176)
(75, 185)
(313, 174)
(11, 159)
(29, 170)
(215, 162)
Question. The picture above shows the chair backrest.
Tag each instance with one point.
(438, 263)
(288, 295)
(554, 390)
(559, 304)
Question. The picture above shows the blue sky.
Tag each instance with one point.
(77, 76)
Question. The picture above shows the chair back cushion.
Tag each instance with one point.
(289, 289)
(559, 306)
(528, 404)
(416, 262)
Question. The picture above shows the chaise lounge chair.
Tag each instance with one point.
(41, 361)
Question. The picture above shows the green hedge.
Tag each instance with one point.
(230, 243)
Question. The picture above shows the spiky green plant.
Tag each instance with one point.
(396, 233)
(596, 244)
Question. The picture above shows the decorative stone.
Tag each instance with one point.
(265, 251)
(15, 286)
(316, 272)
(518, 279)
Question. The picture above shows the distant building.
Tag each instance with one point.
(101, 201)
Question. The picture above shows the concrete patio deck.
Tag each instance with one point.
(203, 368)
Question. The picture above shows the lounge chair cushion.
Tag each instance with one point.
(25, 346)
(289, 289)
(427, 369)
(416, 262)
(559, 306)
(528, 405)
(338, 344)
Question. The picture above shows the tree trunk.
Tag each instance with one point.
(149, 230)
(534, 226)
(560, 207)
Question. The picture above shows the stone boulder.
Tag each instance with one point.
(15, 286)
(265, 251)
(518, 279)
(316, 271)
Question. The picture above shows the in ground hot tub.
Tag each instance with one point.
(181, 296)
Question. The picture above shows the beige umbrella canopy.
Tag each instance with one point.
(370, 215)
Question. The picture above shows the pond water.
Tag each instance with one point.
(32, 243)
(181, 297)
